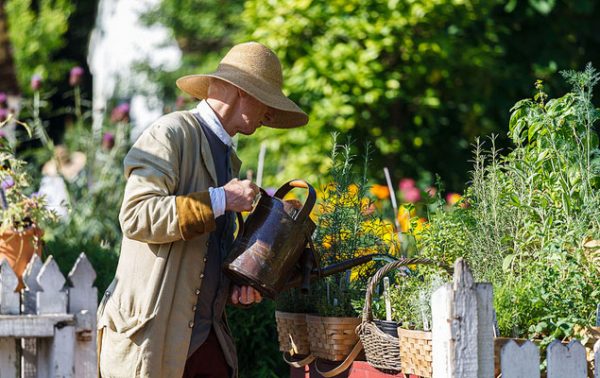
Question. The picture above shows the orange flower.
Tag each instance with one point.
(380, 191)
(453, 198)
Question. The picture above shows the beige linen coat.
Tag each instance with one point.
(146, 316)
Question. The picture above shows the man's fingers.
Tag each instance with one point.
(250, 294)
(235, 295)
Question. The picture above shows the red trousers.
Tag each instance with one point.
(208, 361)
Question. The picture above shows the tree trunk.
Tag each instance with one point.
(8, 78)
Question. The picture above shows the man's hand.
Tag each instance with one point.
(244, 295)
(239, 195)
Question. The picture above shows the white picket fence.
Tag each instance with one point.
(49, 328)
(463, 338)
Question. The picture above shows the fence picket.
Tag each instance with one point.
(566, 361)
(31, 285)
(10, 303)
(52, 300)
(520, 361)
(83, 302)
(462, 347)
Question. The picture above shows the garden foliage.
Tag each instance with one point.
(529, 219)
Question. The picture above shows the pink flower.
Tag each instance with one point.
(432, 191)
(411, 195)
(3, 98)
(75, 76)
(406, 183)
(36, 82)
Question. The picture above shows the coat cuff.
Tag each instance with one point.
(195, 215)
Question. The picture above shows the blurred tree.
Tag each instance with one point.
(37, 31)
(421, 78)
(202, 29)
(8, 78)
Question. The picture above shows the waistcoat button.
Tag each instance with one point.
(191, 324)
(197, 291)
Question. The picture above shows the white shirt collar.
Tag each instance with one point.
(212, 121)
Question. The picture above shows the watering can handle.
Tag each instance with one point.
(310, 200)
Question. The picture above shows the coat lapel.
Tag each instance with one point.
(205, 151)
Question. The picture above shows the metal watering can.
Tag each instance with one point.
(273, 249)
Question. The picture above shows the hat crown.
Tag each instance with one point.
(255, 60)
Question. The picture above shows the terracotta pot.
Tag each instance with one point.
(19, 247)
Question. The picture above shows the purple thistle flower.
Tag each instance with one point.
(120, 112)
(75, 76)
(7, 183)
(3, 98)
(36, 82)
(3, 114)
(108, 141)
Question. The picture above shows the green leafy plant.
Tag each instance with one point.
(347, 227)
(527, 216)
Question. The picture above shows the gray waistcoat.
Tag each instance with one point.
(215, 286)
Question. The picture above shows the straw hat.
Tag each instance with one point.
(255, 69)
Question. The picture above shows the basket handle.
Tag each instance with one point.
(344, 365)
(374, 281)
(298, 364)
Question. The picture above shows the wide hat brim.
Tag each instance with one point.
(285, 113)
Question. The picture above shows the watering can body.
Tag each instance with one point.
(273, 242)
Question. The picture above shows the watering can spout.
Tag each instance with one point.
(310, 274)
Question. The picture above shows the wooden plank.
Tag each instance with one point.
(32, 325)
(10, 302)
(597, 359)
(62, 352)
(566, 361)
(28, 358)
(440, 331)
(31, 285)
(43, 357)
(9, 358)
(83, 302)
(520, 362)
(464, 323)
(485, 329)
(52, 300)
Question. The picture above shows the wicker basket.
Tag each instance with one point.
(292, 333)
(416, 352)
(382, 350)
(331, 338)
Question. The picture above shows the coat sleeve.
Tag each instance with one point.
(151, 212)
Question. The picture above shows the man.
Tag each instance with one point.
(163, 314)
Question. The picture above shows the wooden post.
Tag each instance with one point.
(52, 300)
(566, 361)
(29, 300)
(62, 352)
(597, 359)
(463, 327)
(520, 361)
(10, 303)
(83, 302)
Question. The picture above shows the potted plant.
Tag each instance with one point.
(290, 315)
(22, 213)
(347, 227)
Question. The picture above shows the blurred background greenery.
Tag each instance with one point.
(420, 79)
